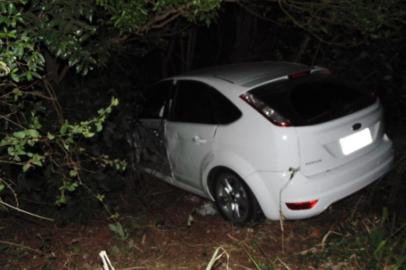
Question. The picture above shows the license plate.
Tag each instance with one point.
(356, 141)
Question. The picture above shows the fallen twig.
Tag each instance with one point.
(135, 268)
(283, 263)
(24, 211)
(21, 246)
(217, 255)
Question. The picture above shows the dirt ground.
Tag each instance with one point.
(161, 235)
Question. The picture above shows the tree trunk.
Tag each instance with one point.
(245, 32)
(55, 71)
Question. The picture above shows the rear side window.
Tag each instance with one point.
(196, 102)
(313, 100)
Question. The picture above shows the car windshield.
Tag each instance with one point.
(313, 99)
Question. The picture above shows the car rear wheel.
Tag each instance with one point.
(234, 199)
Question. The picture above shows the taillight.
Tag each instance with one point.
(299, 74)
(302, 205)
(269, 113)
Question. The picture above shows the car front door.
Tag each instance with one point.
(151, 136)
(190, 131)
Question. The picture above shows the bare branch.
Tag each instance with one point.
(164, 18)
(24, 211)
(21, 246)
(9, 187)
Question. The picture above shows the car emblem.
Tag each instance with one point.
(356, 126)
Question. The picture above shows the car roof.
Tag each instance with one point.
(248, 74)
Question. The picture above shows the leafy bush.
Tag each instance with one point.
(43, 154)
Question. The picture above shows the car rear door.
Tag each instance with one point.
(340, 123)
(190, 131)
(335, 122)
(330, 145)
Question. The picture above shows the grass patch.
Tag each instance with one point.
(360, 243)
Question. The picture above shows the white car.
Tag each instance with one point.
(282, 139)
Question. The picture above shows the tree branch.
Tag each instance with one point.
(24, 211)
(21, 246)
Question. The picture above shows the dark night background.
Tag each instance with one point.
(240, 34)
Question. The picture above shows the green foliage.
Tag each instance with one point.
(23, 149)
(20, 59)
(87, 129)
(67, 29)
(119, 231)
(81, 32)
(18, 141)
(28, 139)
(35, 135)
(142, 16)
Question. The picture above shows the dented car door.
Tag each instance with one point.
(190, 132)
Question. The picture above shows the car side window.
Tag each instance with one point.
(192, 103)
(197, 102)
(225, 111)
(157, 100)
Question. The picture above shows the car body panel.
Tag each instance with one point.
(320, 148)
(248, 74)
(278, 164)
(189, 148)
(154, 153)
(331, 186)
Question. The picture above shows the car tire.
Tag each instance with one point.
(234, 199)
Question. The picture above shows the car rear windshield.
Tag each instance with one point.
(314, 99)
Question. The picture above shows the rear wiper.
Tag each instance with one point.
(319, 116)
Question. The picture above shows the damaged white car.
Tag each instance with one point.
(282, 139)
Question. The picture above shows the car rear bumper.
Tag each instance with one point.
(327, 187)
(333, 185)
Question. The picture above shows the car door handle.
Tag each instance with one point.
(196, 139)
